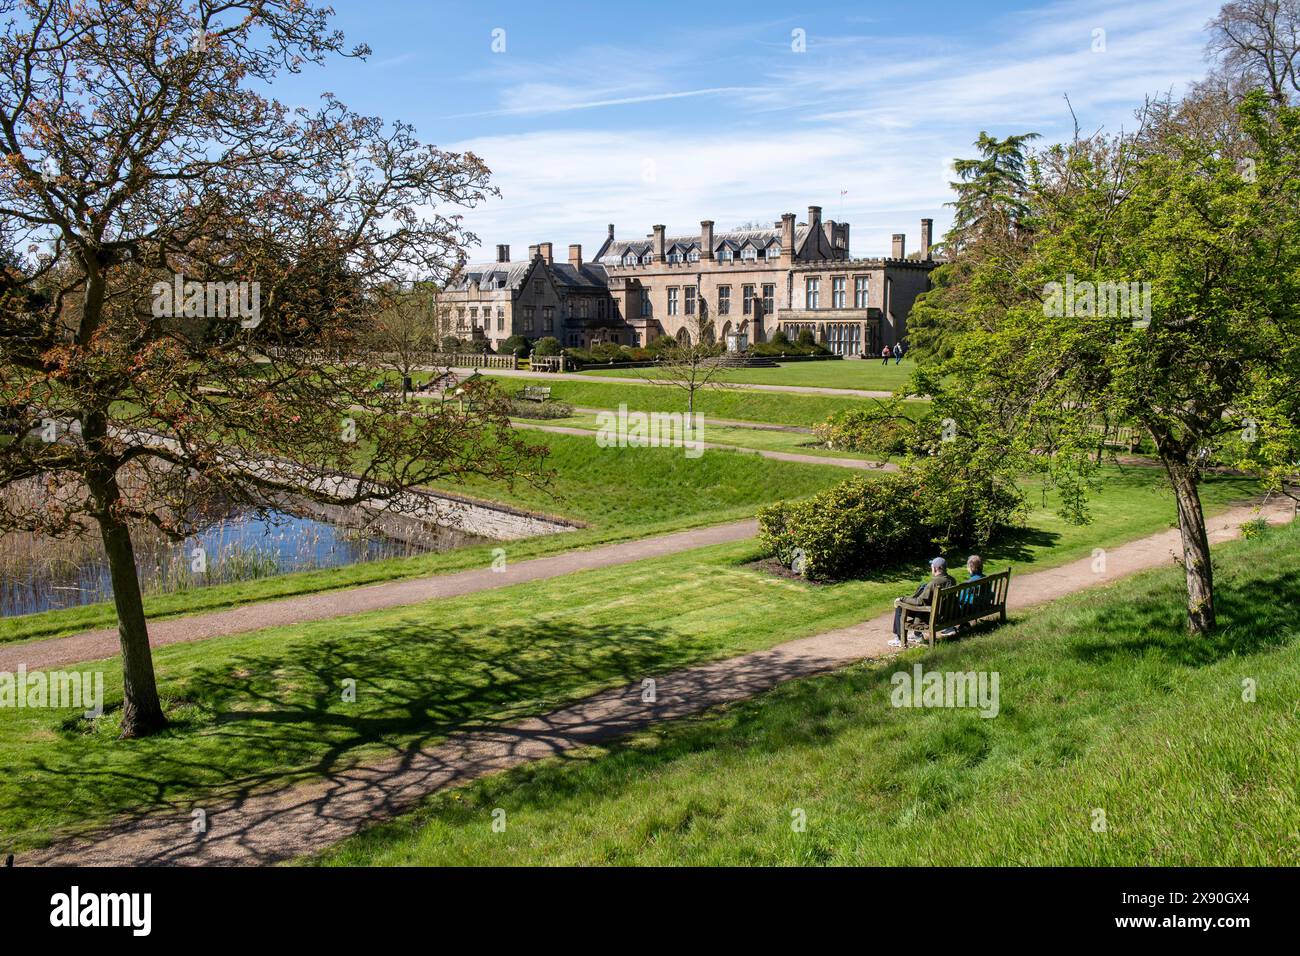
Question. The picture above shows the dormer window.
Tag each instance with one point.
(749, 253)
(647, 259)
(630, 259)
(724, 255)
(693, 256)
(774, 251)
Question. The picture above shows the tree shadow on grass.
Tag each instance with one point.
(257, 721)
(1254, 614)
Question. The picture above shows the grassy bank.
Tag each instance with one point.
(1118, 740)
(865, 374)
(619, 493)
(264, 709)
(778, 408)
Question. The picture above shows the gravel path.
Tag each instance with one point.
(270, 827)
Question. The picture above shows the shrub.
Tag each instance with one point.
(547, 345)
(870, 522)
(516, 344)
(878, 430)
(661, 343)
(861, 523)
(780, 338)
(520, 408)
(806, 338)
(452, 343)
(1254, 528)
(775, 348)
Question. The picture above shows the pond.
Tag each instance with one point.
(40, 574)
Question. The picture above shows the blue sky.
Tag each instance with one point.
(637, 112)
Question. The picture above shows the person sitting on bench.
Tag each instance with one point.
(919, 603)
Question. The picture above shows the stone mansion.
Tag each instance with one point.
(794, 276)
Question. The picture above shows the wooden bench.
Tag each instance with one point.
(963, 604)
(536, 393)
(1130, 439)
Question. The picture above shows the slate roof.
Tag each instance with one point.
(488, 274)
(733, 240)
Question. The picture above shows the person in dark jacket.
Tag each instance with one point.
(918, 604)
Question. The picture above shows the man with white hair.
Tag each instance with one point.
(918, 604)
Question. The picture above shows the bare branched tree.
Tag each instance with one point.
(691, 363)
(179, 225)
(1258, 41)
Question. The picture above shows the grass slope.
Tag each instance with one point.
(620, 493)
(1106, 705)
(777, 408)
(867, 375)
(264, 709)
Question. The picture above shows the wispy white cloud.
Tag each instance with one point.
(537, 99)
(879, 116)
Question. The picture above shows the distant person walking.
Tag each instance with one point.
(884, 354)
(898, 353)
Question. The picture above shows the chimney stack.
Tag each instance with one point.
(611, 232)
(503, 253)
(815, 216)
(706, 238)
(545, 249)
(659, 243)
(900, 243)
(787, 238)
(575, 256)
(532, 253)
(927, 237)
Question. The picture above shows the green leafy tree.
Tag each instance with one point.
(992, 222)
(1159, 290)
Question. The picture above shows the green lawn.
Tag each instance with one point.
(864, 374)
(778, 408)
(764, 439)
(1106, 706)
(619, 493)
(264, 709)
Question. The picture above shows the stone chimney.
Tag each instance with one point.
(575, 256)
(706, 238)
(545, 249)
(659, 243)
(927, 237)
(900, 244)
(611, 232)
(787, 238)
(815, 216)
(503, 253)
(532, 253)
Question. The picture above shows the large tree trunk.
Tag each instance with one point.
(1196, 549)
(141, 711)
